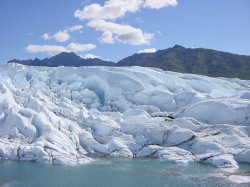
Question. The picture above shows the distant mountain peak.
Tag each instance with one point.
(64, 59)
(196, 60)
(66, 55)
(178, 47)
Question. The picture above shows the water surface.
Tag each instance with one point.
(107, 172)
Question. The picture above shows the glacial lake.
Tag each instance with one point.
(108, 172)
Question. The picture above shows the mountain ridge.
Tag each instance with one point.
(195, 61)
(63, 59)
(178, 59)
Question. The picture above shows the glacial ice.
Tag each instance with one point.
(65, 114)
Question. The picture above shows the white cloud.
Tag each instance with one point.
(46, 36)
(157, 4)
(55, 49)
(62, 36)
(49, 49)
(107, 37)
(75, 47)
(89, 56)
(75, 28)
(112, 9)
(123, 33)
(97, 14)
(151, 50)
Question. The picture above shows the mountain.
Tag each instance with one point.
(64, 59)
(197, 61)
(179, 59)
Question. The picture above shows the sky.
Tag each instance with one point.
(114, 29)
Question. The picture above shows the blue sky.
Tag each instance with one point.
(115, 29)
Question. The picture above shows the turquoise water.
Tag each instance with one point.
(111, 172)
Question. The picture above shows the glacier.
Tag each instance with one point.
(64, 115)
